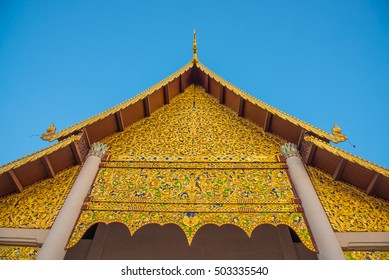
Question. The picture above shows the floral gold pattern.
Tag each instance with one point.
(366, 255)
(191, 163)
(191, 222)
(38, 205)
(193, 125)
(18, 252)
(348, 208)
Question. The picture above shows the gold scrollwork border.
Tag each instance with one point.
(191, 222)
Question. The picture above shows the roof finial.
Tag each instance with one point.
(195, 59)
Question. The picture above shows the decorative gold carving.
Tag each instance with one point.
(348, 208)
(198, 159)
(50, 131)
(193, 125)
(39, 154)
(191, 222)
(238, 206)
(193, 162)
(216, 186)
(338, 136)
(18, 253)
(38, 205)
(366, 255)
(351, 158)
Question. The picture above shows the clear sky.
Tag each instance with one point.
(323, 62)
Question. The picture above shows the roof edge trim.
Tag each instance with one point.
(34, 156)
(110, 111)
(310, 128)
(350, 157)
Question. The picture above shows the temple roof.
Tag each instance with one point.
(73, 142)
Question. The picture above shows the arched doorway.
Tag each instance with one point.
(169, 242)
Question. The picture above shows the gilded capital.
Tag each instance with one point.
(97, 149)
(290, 150)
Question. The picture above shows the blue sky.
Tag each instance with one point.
(324, 62)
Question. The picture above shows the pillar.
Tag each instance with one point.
(54, 245)
(323, 234)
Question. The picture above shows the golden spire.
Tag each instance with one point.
(195, 59)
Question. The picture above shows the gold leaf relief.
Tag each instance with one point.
(366, 255)
(38, 205)
(191, 163)
(193, 124)
(18, 252)
(191, 222)
(348, 208)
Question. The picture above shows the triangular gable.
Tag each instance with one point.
(71, 151)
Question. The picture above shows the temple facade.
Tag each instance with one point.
(193, 168)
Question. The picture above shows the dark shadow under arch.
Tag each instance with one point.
(169, 242)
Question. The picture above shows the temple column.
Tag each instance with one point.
(323, 234)
(53, 247)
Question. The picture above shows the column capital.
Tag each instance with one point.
(97, 149)
(290, 150)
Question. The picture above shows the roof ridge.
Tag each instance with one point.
(331, 137)
(121, 105)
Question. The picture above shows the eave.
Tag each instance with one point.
(366, 176)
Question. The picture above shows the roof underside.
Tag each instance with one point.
(366, 176)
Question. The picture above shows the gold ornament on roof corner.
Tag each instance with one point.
(337, 134)
(50, 131)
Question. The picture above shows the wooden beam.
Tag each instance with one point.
(286, 241)
(48, 167)
(311, 154)
(222, 94)
(97, 245)
(339, 169)
(373, 184)
(301, 138)
(181, 84)
(206, 85)
(267, 123)
(119, 120)
(166, 96)
(76, 153)
(146, 106)
(84, 130)
(14, 178)
(241, 107)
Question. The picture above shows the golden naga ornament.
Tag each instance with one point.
(50, 131)
(337, 134)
